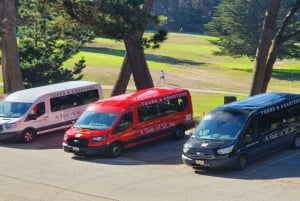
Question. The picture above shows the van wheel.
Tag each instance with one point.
(115, 150)
(179, 133)
(241, 162)
(28, 136)
(296, 143)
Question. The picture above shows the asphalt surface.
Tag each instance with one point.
(42, 171)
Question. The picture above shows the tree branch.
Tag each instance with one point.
(282, 28)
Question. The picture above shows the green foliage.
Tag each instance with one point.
(47, 39)
(117, 19)
(238, 24)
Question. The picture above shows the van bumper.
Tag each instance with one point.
(10, 136)
(219, 163)
(85, 150)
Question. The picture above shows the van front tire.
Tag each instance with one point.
(115, 150)
(27, 136)
(241, 162)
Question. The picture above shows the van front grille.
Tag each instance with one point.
(201, 154)
(77, 142)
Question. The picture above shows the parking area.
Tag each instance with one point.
(43, 171)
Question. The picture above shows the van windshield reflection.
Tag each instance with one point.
(13, 109)
(96, 120)
(220, 125)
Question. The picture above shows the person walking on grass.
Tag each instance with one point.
(162, 75)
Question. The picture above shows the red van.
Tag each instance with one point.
(120, 122)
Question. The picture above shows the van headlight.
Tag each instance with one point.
(11, 125)
(98, 138)
(226, 150)
(186, 148)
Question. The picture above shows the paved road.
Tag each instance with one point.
(41, 171)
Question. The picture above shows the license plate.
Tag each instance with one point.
(76, 149)
(200, 162)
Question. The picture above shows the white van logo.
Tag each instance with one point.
(285, 131)
(204, 144)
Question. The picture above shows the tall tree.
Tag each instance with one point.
(125, 72)
(264, 32)
(121, 20)
(264, 45)
(47, 38)
(237, 23)
(12, 79)
(270, 45)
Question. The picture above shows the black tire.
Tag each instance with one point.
(179, 133)
(115, 150)
(296, 142)
(241, 162)
(28, 136)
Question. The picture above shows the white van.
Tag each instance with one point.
(29, 112)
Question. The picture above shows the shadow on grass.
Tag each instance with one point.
(289, 75)
(281, 74)
(150, 57)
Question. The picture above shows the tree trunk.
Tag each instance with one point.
(270, 63)
(138, 64)
(264, 45)
(11, 72)
(126, 70)
(123, 79)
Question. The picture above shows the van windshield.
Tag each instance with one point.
(13, 109)
(96, 120)
(220, 125)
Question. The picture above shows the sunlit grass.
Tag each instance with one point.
(177, 52)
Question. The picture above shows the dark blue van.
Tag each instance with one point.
(235, 133)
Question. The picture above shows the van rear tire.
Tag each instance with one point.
(115, 150)
(27, 136)
(296, 142)
(179, 133)
(241, 162)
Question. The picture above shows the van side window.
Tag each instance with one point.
(37, 111)
(124, 123)
(162, 108)
(40, 109)
(275, 120)
(251, 129)
(292, 114)
(182, 104)
(73, 100)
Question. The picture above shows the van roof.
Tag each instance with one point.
(32, 94)
(118, 103)
(260, 101)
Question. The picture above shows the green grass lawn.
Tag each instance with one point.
(182, 51)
